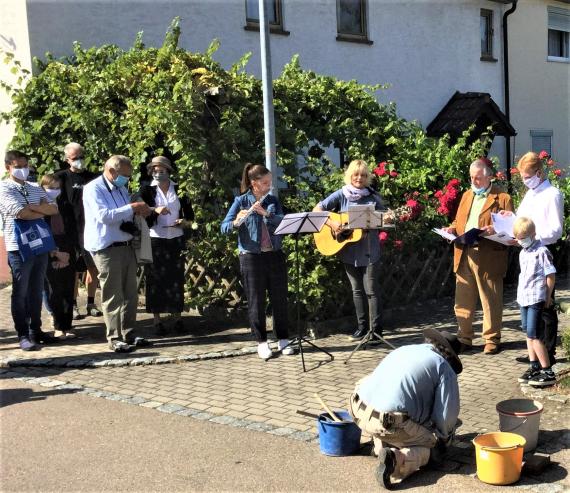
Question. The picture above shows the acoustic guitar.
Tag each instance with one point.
(329, 243)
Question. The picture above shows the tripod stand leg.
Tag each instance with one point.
(369, 337)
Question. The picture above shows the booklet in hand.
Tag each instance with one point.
(468, 238)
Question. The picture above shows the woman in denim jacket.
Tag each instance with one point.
(256, 214)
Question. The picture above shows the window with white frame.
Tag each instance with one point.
(486, 28)
(274, 14)
(541, 140)
(558, 34)
(351, 16)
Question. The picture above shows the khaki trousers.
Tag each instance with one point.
(412, 440)
(471, 284)
(117, 268)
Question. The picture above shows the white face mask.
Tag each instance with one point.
(532, 182)
(77, 164)
(21, 173)
(525, 242)
(53, 193)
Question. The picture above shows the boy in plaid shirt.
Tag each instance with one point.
(534, 293)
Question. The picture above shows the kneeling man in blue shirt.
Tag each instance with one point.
(409, 404)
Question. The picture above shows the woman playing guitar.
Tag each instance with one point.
(361, 258)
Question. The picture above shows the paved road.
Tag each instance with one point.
(234, 407)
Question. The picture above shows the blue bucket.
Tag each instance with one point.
(338, 438)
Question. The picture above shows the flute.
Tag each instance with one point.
(250, 210)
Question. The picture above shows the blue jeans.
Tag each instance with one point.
(365, 283)
(27, 288)
(531, 320)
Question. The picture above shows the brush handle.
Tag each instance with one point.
(327, 408)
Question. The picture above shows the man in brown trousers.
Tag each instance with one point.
(481, 267)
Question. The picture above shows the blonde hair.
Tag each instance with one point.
(353, 167)
(49, 180)
(524, 227)
(529, 162)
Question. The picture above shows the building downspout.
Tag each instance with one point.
(506, 77)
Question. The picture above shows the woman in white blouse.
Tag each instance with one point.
(165, 276)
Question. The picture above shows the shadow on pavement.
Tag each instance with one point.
(16, 396)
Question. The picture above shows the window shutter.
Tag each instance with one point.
(559, 19)
(541, 140)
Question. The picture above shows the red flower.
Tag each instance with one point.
(500, 175)
(398, 244)
(550, 162)
(393, 174)
(438, 194)
(383, 236)
(557, 172)
(514, 171)
(543, 155)
(454, 182)
(380, 170)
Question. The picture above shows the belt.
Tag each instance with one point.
(388, 419)
(120, 244)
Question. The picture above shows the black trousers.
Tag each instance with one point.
(549, 315)
(60, 287)
(265, 273)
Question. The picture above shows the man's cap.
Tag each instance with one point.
(451, 344)
(160, 161)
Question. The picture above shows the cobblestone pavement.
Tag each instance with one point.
(198, 377)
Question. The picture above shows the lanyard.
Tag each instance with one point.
(111, 193)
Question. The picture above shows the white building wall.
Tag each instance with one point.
(426, 50)
(540, 89)
(13, 39)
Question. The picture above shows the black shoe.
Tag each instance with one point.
(359, 334)
(527, 375)
(43, 338)
(543, 379)
(385, 468)
(464, 348)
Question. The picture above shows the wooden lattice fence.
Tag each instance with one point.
(405, 279)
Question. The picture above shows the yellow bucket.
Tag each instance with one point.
(499, 457)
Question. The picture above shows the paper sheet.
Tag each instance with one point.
(503, 224)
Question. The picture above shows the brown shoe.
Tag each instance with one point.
(491, 348)
(464, 348)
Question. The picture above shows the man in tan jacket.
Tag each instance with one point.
(481, 267)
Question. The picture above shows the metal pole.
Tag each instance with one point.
(267, 83)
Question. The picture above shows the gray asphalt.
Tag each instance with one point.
(55, 441)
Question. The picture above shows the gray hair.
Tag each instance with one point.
(117, 161)
(480, 164)
(72, 146)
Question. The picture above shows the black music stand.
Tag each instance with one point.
(296, 224)
(366, 217)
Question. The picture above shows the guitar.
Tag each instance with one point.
(329, 243)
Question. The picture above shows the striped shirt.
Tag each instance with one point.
(13, 198)
(536, 264)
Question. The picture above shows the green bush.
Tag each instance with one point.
(166, 100)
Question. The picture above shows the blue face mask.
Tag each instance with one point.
(478, 191)
(121, 181)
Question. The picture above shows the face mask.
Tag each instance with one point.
(478, 191)
(525, 242)
(21, 173)
(77, 164)
(53, 193)
(532, 182)
(121, 181)
(160, 176)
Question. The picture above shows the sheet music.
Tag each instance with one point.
(503, 238)
(503, 224)
(293, 223)
(364, 216)
(445, 234)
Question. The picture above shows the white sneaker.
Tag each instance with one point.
(282, 345)
(264, 351)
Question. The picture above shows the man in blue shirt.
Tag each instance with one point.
(108, 235)
(409, 404)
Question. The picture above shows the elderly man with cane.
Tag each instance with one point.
(410, 405)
